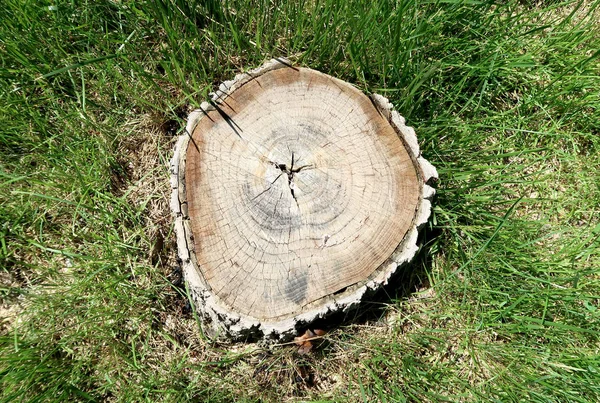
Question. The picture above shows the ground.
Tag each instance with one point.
(500, 305)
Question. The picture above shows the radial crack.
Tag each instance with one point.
(290, 174)
(268, 188)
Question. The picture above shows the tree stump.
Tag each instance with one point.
(295, 195)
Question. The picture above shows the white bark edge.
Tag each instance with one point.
(218, 319)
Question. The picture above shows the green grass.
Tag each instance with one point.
(504, 305)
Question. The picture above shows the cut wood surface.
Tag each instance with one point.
(294, 194)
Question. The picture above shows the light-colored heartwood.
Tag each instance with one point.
(294, 194)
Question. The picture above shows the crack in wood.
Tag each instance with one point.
(290, 174)
(267, 189)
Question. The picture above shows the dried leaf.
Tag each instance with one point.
(305, 348)
(320, 332)
(305, 341)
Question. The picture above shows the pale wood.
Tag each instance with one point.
(294, 194)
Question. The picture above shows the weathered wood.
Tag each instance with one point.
(294, 194)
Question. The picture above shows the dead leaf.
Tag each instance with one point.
(306, 340)
(320, 332)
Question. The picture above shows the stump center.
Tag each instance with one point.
(289, 171)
